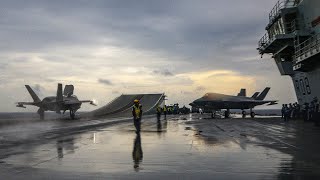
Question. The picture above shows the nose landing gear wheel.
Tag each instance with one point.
(244, 114)
(252, 114)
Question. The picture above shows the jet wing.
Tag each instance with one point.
(21, 104)
(89, 101)
(272, 103)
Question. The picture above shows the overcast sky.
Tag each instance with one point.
(184, 48)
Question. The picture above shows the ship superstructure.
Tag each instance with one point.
(293, 39)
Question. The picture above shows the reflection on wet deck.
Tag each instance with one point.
(224, 148)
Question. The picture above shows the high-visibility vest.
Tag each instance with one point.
(137, 110)
(164, 109)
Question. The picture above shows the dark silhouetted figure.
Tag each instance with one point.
(286, 112)
(312, 110)
(137, 154)
(296, 110)
(290, 111)
(282, 111)
(305, 112)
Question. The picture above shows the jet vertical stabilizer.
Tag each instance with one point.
(263, 94)
(59, 97)
(33, 94)
(68, 90)
(255, 95)
(243, 93)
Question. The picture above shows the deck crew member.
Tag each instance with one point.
(286, 112)
(137, 114)
(282, 111)
(165, 111)
(159, 110)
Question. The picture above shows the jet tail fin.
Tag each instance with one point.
(255, 95)
(59, 93)
(68, 90)
(242, 93)
(263, 94)
(33, 94)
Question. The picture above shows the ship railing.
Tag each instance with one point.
(264, 41)
(281, 4)
(306, 47)
(291, 27)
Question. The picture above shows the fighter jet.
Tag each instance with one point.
(215, 101)
(63, 101)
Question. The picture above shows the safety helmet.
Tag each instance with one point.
(136, 101)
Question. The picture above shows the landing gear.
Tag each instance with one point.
(252, 114)
(41, 113)
(227, 114)
(213, 114)
(72, 114)
(244, 114)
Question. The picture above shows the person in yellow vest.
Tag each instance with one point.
(137, 114)
(159, 110)
(165, 111)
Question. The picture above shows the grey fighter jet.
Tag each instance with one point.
(215, 101)
(63, 101)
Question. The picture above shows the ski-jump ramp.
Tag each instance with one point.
(122, 105)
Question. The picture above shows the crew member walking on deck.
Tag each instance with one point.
(137, 114)
(159, 110)
(282, 111)
(286, 113)
(165, 111)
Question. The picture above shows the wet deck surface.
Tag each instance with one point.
(177, 148)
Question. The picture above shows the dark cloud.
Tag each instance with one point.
(163, 72)
(166, 26)
(105, 82)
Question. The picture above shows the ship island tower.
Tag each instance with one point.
(293, 40)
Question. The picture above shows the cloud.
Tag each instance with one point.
(194, 46)
(163, 72)
(221, 81)
(115, 92)
(38, 89)
(105, 82)
(200, 88)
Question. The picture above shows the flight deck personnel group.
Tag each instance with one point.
(137, 114)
